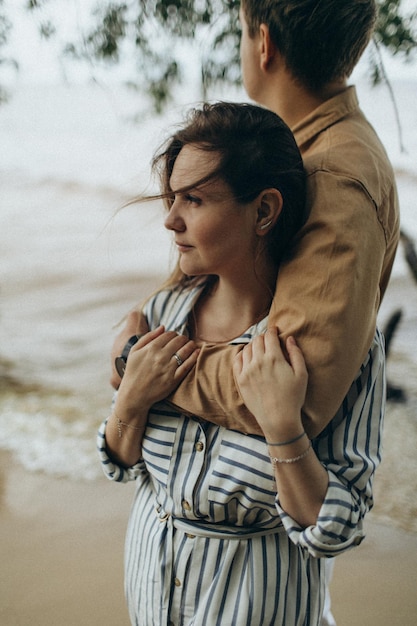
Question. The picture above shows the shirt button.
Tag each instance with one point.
(190, 536)
(177, 582)
(186, 505)
(199, 446)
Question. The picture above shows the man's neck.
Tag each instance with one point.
(293, 102)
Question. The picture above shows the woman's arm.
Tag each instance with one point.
(274, 390)
(156, 365)
(322, 508)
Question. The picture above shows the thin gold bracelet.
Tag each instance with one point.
(275, 460)
(120, 424)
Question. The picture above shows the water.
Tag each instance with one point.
(71, 265)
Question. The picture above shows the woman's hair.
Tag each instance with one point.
(320, 40)
(255, 150)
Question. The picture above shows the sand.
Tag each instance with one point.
(62, 551)
(61, 540)
(62, 558)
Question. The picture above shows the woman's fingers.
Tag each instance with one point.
(148, 338)
(169, 348)
(161, 339)
(188, 358)
(273, 344)
(296, 357)
(265, 352)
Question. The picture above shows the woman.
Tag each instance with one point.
(227, 528)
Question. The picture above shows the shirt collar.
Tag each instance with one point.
(327, 114)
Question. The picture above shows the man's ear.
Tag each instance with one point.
(268, 49)
(269, 207)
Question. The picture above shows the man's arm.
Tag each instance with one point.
(327, 297)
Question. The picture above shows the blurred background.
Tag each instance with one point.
(86, 107)
(89, 91)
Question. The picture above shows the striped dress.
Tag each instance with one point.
(207, 541)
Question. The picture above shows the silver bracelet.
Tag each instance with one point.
(286, 443)
(275, 460)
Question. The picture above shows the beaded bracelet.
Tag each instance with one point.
(286, 443)
(120, 424)
(275, 460)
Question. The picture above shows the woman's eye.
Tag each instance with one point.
(193, 199)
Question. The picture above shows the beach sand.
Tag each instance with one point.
(62, 540)
(62, 551)
(61, 543)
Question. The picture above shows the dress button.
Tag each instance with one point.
(186, 505)
(199, 446)
(177, 582)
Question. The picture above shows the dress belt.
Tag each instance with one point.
(215, 531)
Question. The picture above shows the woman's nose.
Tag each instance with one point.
(173, 220)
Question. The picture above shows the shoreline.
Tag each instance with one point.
(63, 544)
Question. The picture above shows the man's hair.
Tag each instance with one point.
(320, 40)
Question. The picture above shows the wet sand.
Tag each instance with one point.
(61, 543)
(62, 551)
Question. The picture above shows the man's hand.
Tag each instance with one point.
(136, 324)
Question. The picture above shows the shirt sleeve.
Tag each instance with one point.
(327, 296)
(111, 469)
(349, 448)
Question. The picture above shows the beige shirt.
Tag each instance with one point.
(329, 292)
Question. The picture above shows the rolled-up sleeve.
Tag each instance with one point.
(111, 469)
(350, 450)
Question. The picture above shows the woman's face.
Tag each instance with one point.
(214, 233)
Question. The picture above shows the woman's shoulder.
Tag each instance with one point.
(178, 292)
(171, 305)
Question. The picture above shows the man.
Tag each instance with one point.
(296, 57)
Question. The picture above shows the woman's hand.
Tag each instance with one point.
(272, 387)
(156, 365)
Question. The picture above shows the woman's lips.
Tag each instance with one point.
(182, 247)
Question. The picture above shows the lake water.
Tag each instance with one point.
(72, 265)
